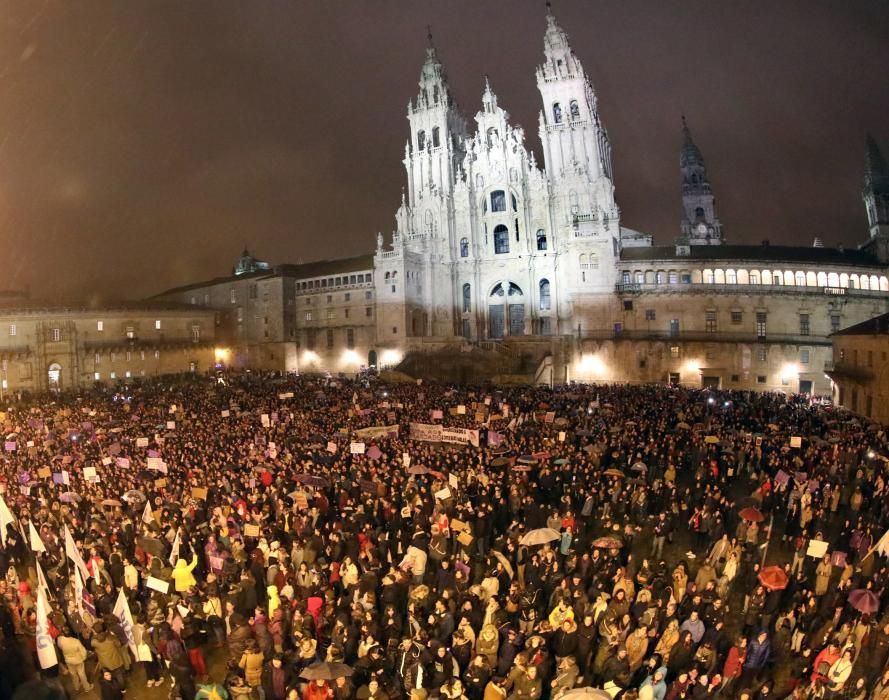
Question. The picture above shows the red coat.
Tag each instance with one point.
(733, 663)
(314, 691)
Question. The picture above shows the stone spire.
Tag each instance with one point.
(876, 189)
(700, 225)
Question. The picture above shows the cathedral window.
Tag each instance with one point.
(575, 109)
(464, 247)
(491, 136)
(435, 94)
(699, 212)
(467, 298)
(498, 201)
(545, 302)
(421, 140)
(501, 239)
(557, 113)
(435, 137)
(541, 239)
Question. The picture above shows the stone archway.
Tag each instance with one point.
(54, 376)
(506, 310)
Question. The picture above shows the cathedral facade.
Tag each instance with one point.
(496, 252)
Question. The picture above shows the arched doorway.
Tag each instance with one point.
(54, 376)
(506, 310)
(372, 358)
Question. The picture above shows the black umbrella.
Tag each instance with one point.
(326, 670)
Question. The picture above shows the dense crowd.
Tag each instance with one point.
(236, 538)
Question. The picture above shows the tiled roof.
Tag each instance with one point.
(878, 325)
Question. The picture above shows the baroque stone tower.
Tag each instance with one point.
(700, 225)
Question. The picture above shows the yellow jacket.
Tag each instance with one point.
(182, 575)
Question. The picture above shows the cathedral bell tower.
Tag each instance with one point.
(700, 225)
(876, 190)
(435, 146)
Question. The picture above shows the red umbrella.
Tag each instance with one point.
(864, 601)
(773, 578)
(752, 514)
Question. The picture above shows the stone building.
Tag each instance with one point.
(860, 368)
(314, 317)
(529, 261)
(45, 346)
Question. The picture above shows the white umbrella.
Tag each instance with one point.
(541, 535)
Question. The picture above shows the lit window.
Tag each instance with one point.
(13, 330)
(127, 374)
(129, 355)
(97, 358)
(195, 333)
(498, 201)
(157, 324)
(97, 376)
(674, 351)
(100, 325)
(233, 295)
(114, 375)
(56, 334)
(131, 332)
(308, 315)
(331, 314)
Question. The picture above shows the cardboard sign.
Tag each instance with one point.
(171, 425)
(157, 584)
(356, 448)
(251, 530)
(459, 525)
(142, 442)
(264, 419)
(549, 417)
(225, 414)
(461, 410)
(465, 539)
(711, 439)
(172, 408)
(157, 464)
(44, 473)
(796, 441)
(160, 483)
(405, 459)
(200, 493)
(453, 481)
(106, 461)
(817, 549)
(331, 447)
(286, 395)
(561, 436)
(443, 495)
(89, 473)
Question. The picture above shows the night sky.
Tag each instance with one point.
(144, 143)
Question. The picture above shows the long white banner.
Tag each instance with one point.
(430, 432)
(377, 431)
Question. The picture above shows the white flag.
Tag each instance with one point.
(174, 554)
(122, 612)
(46, 648)
(882, 545)
(36, 543)
(78, 591)
(147, 515)
(41, 579)
(74, 555)
(5, 519)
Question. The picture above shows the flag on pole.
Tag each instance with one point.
(74, 555)
(41, 579)
(36, 543)
(174, 554)
(147, 515)
(78, 591)
(5, 519)
(46, 648)
(122, 612)
(882, 546)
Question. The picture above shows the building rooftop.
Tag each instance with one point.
(764, 253)
(878, 325)
(319, 268)
(20, 305)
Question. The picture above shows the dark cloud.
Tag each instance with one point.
(142, 144)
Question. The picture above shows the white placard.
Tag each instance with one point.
(171, 425)
(461, 410)
(443, 495)
(157, 584)
(264, 419)
(356, 448)
(106, 461)
(453, 481)
(142, 442)
(405, 459)
(817, 549)
(225, 413)
(89, 473)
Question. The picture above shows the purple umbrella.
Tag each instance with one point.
(864, 601)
